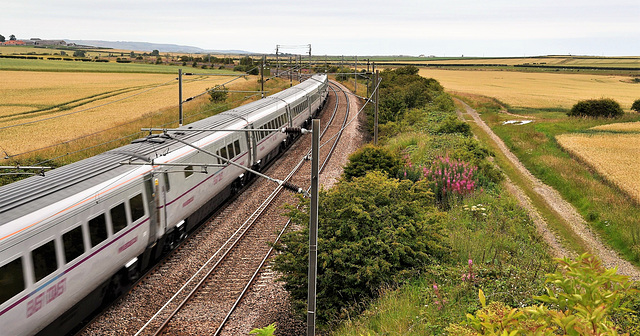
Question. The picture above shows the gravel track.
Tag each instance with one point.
(266, 302)
(554, 200)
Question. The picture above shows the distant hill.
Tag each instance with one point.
(146, 46)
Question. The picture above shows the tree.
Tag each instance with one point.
(636, 105)
(246, 61)
(373, 230)
(2, 38)
(79, 53)
(155, 52)
(12, 37)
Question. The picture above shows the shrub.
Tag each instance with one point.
(218, 94)
(373, 231)
(636, 105)
(604, 107)
(580, 301)
(370, 158)
(454, 125)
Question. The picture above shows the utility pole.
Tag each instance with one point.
(355, 76)
(313, 230)
(375, 119)
(180, 97)
(299, 65)
(309, 58)
(277, 62)
(368, 77)
(262, 75)
(290, 74)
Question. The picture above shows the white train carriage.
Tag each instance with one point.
(84, 230)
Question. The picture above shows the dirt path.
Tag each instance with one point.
(555, 201)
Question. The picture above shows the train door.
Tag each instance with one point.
(251, 145)
(152, 206)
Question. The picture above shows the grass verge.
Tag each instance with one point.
(604, 206)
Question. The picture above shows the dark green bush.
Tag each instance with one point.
(604, 107)
(218, 94)
(636, 105)
(249, 69)
(370, 158)
(403, 89)
(454, 125)
(373, 231)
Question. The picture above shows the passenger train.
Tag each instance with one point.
(83, 231)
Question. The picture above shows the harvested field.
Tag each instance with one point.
(101, 100)
(537, 90)
(620, 127)
(614, 156)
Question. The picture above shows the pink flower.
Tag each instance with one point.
(470, 262)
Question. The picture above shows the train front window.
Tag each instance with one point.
(11, 280)
(97, 230)
(118, 218)
(44, 260)
(137, 207)
(73, 244)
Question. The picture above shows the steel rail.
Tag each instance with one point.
(286, 226)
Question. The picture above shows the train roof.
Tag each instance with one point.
(25, 196)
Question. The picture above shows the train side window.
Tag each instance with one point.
(73, 244)
(44, 260)
(188, 171)
(236, 146)
(230, 151)
(223, 153)
(137, 207)
(166, 182)
(97, 230)
(12, 280)
(118, 218)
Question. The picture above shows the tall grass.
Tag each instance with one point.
(508, 261)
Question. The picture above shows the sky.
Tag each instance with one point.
(347, 27)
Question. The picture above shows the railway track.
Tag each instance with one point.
(196, 289)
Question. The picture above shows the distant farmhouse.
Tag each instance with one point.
(37, 42)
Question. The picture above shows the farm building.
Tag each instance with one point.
(12, 42)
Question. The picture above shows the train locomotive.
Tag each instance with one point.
(84, 231)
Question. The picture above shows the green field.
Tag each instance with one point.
(78, 66)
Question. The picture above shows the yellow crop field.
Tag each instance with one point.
(615, 156)
(66, 106)
(537, 90)
(620, 127)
